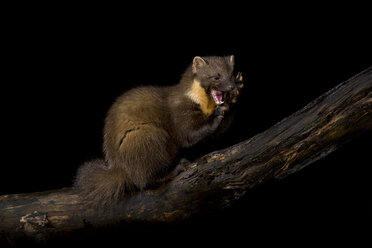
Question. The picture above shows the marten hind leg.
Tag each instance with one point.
(146, 153)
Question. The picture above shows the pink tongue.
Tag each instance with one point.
(219, 95)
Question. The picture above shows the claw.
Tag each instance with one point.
(239, 78)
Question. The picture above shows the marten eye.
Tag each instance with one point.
(216, 77)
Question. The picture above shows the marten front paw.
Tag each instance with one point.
(234, 94)
(221, 110)
(239, 80)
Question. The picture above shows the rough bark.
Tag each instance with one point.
(214, 180)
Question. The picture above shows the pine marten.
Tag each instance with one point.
(146, 126)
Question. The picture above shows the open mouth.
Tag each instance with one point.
(217, 96)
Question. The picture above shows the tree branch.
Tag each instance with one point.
(214, 180)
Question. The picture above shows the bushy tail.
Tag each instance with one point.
(99, 185)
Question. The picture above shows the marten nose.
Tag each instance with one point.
(230, 87)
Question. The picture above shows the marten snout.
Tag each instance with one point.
(230, 87)
(224, 87)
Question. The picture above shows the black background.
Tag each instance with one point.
(63, 70)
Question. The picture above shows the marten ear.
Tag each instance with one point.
(231, 60)
(198, 63)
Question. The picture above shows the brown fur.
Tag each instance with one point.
(146, 127)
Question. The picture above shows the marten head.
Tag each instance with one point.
(215, 76)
